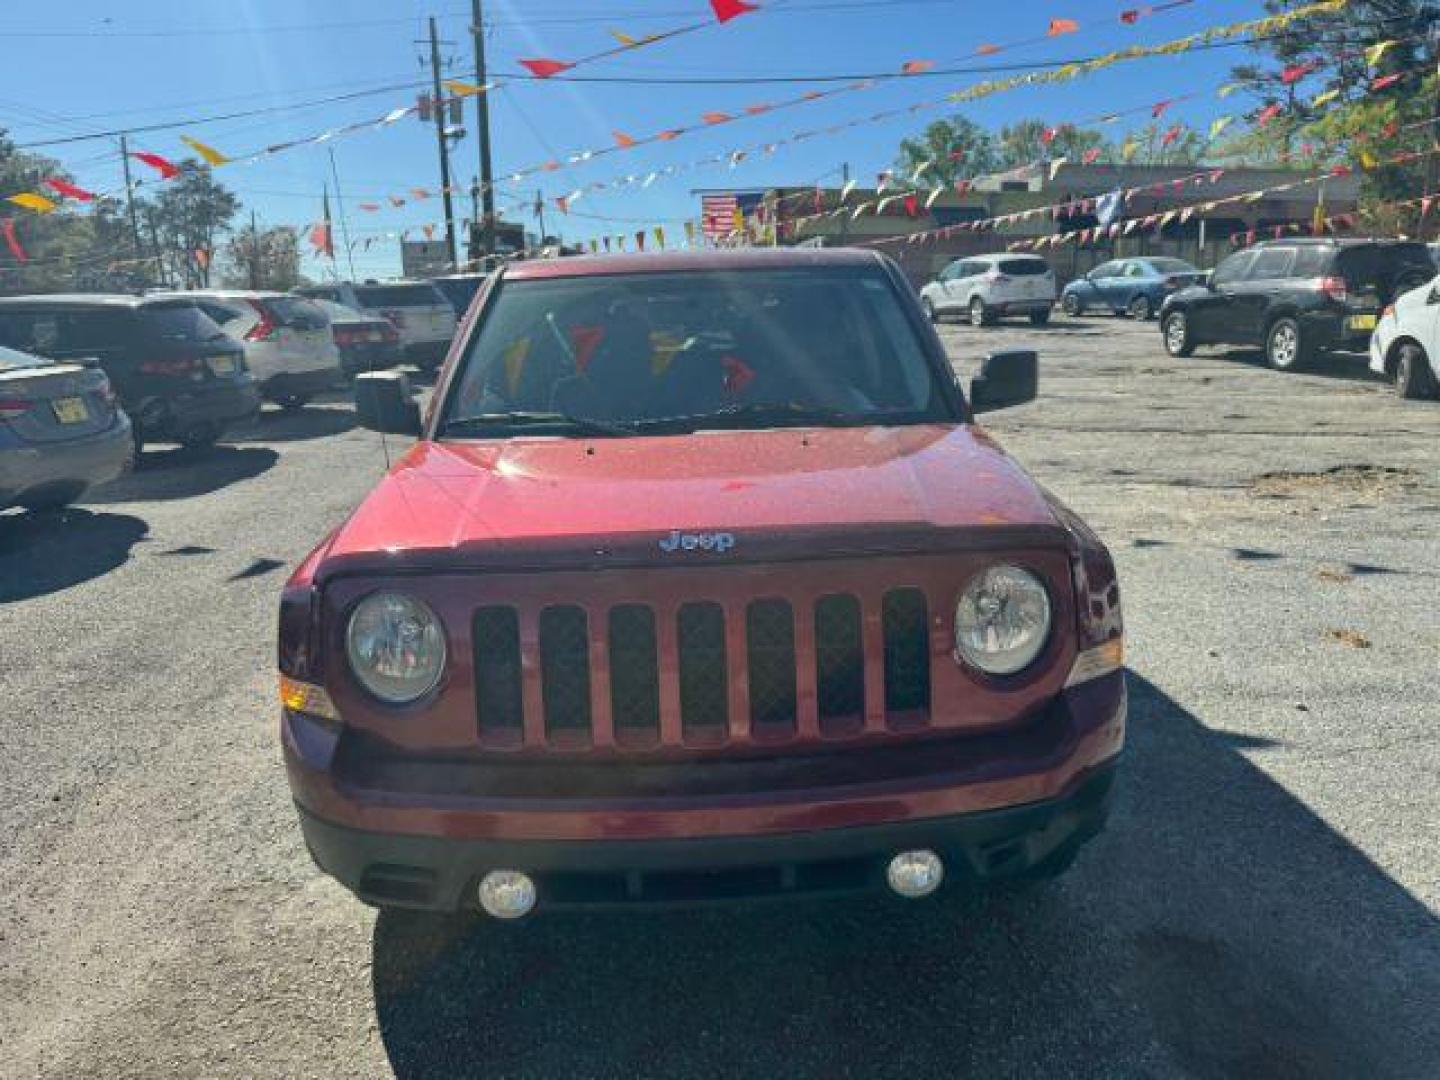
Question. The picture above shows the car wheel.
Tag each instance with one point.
(1141, 309)
(1039, 318)
(1414, 379)
(930, 312)
(1072, 305)
(1176, 331)
(978, 315)
(1285, 347)
(200, 438)
(294, 403)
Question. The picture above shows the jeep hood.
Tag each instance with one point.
(780, 494)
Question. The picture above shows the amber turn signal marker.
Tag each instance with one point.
(304, 698)
(1101, 660)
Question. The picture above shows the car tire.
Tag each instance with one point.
(201, 438)
(1414, 378)
(979, 314)
(1141, 309)
(1072, 306)
(1039, 318)
(930, 312)
(1175, 331)
(1285, 345)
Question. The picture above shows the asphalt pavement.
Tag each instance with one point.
(1264, 903)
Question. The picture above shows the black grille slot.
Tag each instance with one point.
(839, 659)
(499, 704)
(770, 647)
(704, 674)
(634, 669)
(565, 668)
(907, 651)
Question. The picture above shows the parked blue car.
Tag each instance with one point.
(1134, 287)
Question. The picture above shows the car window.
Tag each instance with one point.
(1384, 269)
(1233, 268)
(640, 348)
(221, 313)
(1136, 270)
(1105, 270)
(1311, 261)
(1271, 264)
(388, 296)
(1023, 267)
(1172, 266)
(63, 331)
(295, 312)
(181, 321)
(10, 360)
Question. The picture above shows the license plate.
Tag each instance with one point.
(1362, 322)
(222, 365)
(70, 410)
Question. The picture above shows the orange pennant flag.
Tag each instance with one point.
(987, 50)
(915, 67)
(622, 140)
(715, 117)
(1062, 26)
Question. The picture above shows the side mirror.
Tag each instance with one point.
(384, 402)
(1006, 378)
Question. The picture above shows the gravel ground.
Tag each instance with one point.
(1264, 905)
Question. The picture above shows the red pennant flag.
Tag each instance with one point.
(1172, 134)
(915, 67)
(1391, 129)
(69, 190)
(1267, 114)
(1134, 15)
(738, 374)
(165, 168)
(584, 340)
(962, 186)
(1158, 109)
(912, 205)
(543, 69)
(1048, 135)
(550, 166)
(640, 239)
(320, 239)
(1340, 170)
(419, 193)
(563, 202)
(1295, 72)
(12, 241)
(1091, 156)
(725, 10)
(1425, 205)
(716, 117)
(202, 258)
(1062, 26)
(1388, 80)
(369, 207)
(1215, 175)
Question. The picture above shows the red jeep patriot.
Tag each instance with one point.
(699, 583)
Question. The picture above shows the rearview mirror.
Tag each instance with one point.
(385, 403)
(1006, 378)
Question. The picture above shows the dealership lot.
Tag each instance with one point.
(1264, 903)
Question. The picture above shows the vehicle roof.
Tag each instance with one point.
(90, 300)
(222, 294)
(669, 262)
(1332, 241)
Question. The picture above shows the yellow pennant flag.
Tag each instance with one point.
(739, 220)
(463, 89)
(209, 153)
(1219, 124)
(31, 201)
(660, 237)
(1127, 151)
(1226, 90)
(1367, 160)
(1324, 98)
(1376, 51)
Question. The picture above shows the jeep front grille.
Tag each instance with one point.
(702, 673)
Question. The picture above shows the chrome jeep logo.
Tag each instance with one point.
(683, 541)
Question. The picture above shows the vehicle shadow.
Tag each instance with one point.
(1218, 929)
(1347, 367)
(47, 553)
(162, 474)
(317, 420)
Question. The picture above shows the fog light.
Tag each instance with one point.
(507, 894)
(913, 874)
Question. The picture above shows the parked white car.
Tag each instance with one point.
(1406, 342)
(418, 310)
(289, 348)
(984, 288)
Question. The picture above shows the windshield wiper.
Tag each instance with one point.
(578, 424)
(739, 415)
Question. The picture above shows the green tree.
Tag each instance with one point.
(263, 259)
(955, 148)
(1024, 142)
(190, 213)
(1159, 143)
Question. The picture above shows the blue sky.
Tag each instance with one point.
(96, 65)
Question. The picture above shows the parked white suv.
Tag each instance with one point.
(1406, 342)
(289, 348)
(419, 311)
(984, 288)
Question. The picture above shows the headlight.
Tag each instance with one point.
(396, 647)
(1002, 620)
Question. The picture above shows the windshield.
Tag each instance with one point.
(10, 360)
(762, 348)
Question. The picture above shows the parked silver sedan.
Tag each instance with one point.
(61, 431)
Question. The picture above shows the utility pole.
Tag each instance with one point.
(440, 140)
(540, 213)
(482, 122)
(130, 195)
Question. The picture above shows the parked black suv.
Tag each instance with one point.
(179, 376)
(1295, 297)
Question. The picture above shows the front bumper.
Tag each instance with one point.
(401, 830)
(76, 464)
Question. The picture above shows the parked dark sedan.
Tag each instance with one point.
(61, 431)
(1134, 287)
(179, 376)
(1295, 297)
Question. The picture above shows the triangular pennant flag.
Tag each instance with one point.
(930, 199)
(1055, 166)
(1376, 51)
(1219, 124)
(1172, 134)
(640, 239)
(845, 191)
(912, 206)
(464, 89)
(369, 207)
(542, 68)
(1388, 80)
(164, 167)
(1267, 114)
(725, 10)
(716, 117)
(689, 232)
(1226, 90)
(1091, 156)
(1295, 72)
(7, 226)
(1158, 109)
(622, 140)
(916, 67)
(420, 192)
(562, 203)
(33, 201)
(1062, 26)
(659, 232)
(396, 200)
(69, 190)
(209, 153)
(1324, 98)
(758, 110)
